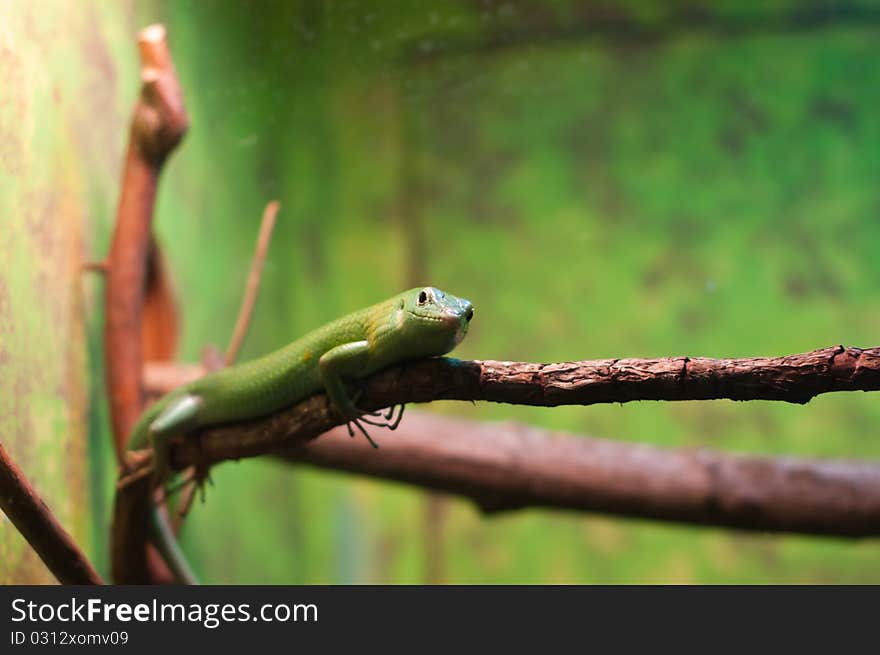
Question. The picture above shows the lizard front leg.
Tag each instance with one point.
(350, 360)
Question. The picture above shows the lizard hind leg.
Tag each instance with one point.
(180, 416)
(349, 360)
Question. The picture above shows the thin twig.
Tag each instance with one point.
(35, 521)
(209, 355)
(186, 502)
(253, 282)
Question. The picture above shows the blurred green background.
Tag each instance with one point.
(600, 179)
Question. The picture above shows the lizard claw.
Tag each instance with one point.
(380, 419)
(170, 489)
(357, 422)
(388, 421)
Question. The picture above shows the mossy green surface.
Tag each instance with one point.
(61, 132)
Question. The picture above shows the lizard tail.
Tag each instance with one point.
(165, 541)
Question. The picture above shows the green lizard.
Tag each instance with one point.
(422, 322)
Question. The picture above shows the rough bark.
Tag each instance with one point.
(793, 378)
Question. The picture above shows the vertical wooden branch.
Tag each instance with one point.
(160, 322)
(158, 125)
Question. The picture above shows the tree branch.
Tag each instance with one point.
(211, 357)
(158, 124)
(253, 283)
(794, 378)
(35, 521)
(508, 466)
(160, 318)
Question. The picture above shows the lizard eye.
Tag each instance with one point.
(423, 297)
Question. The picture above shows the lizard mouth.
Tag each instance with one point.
(451, 319)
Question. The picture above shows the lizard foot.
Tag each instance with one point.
(363, 430)
(386, 420)
(170, 490)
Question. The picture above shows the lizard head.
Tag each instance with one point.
(432, 322)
